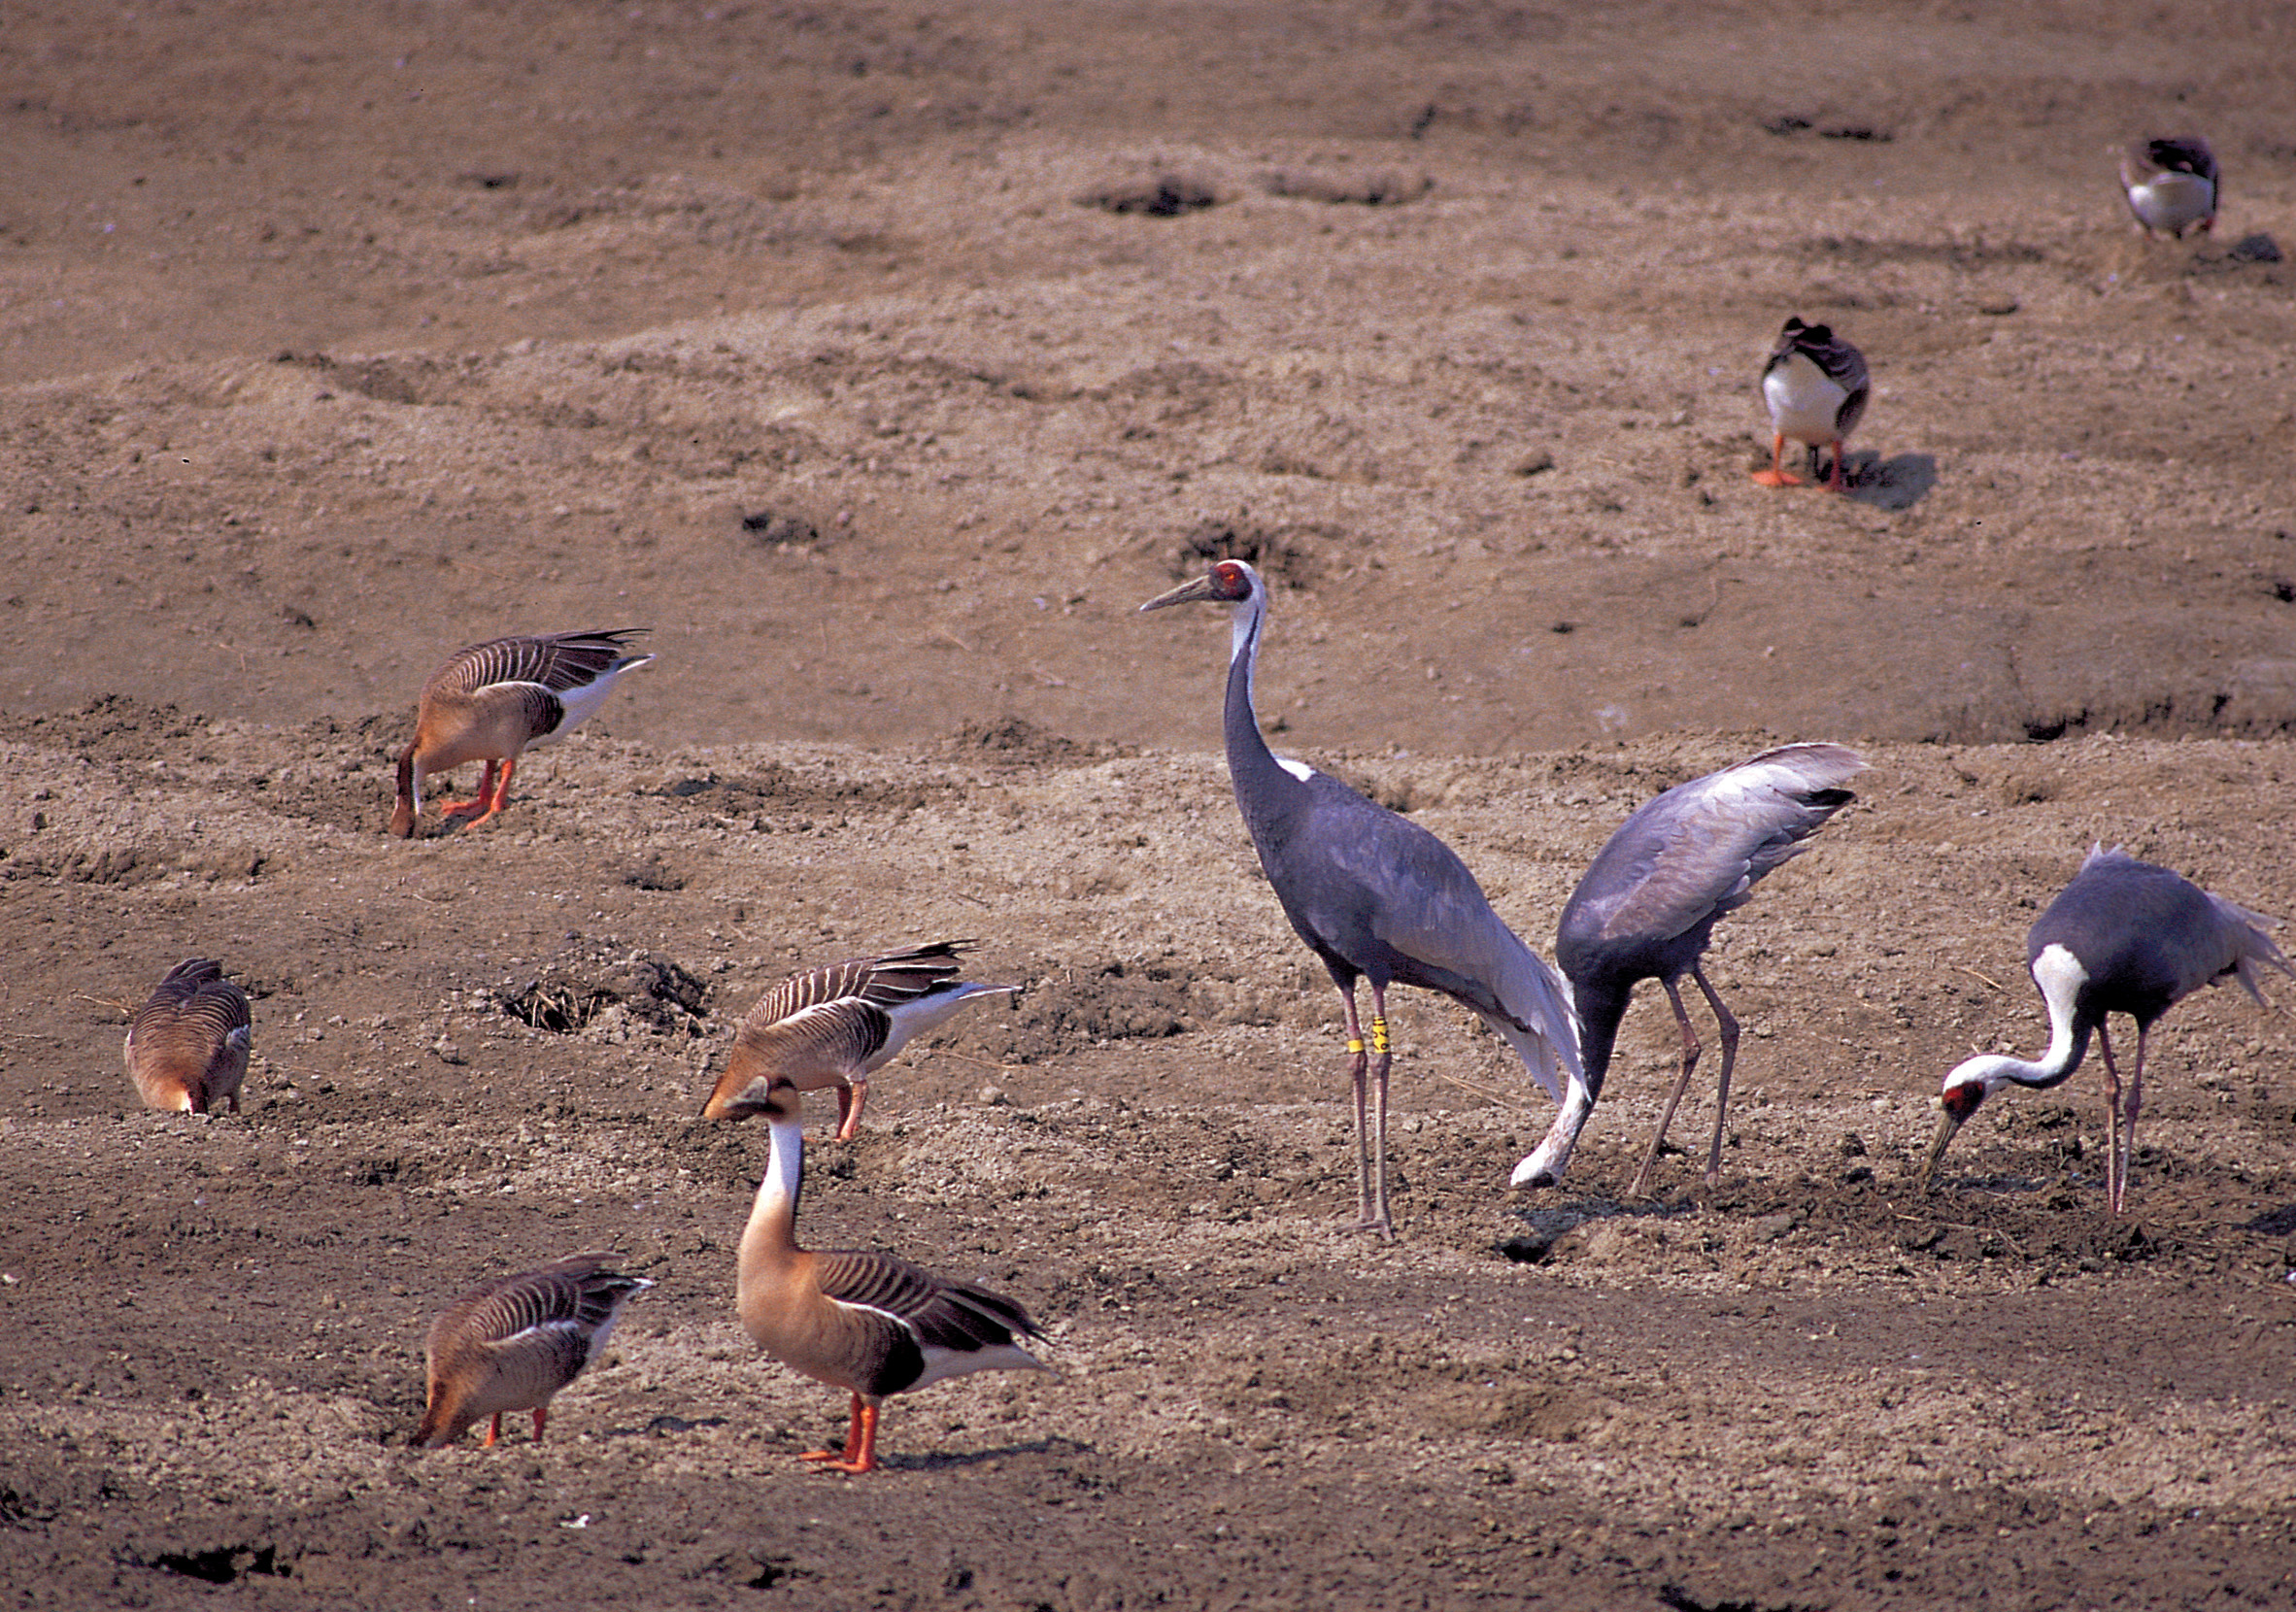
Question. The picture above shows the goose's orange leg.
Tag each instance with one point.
(860, 1454)
(1777, 475)
(477, 803)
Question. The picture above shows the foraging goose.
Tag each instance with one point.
(2171, 186)
(867, 1323)
(188, 1046)
(836, 1026)
(514, 1342)
(2124, 936)
(492, 701)
(1815, 388)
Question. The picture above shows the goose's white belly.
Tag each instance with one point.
(2173, 201)
(1804, 401)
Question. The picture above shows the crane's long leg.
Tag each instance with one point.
(1358, 1069)
(1690, 1051)
(2112, 1158)
(1727, 1027)
(541, 1415)
(1382, 1056)
(2128, 1132)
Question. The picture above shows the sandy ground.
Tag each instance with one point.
(882, 359)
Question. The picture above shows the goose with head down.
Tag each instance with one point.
(490, 702)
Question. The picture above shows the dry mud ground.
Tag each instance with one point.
(847, 347)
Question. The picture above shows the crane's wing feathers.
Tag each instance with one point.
(1697, 851)
(941, 1312)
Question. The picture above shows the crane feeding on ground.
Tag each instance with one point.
(2124, 937)
(1376, 897)
(1647, 908)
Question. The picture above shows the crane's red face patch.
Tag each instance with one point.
(1232, 580)
(1961, 1102)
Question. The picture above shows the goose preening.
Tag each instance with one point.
(1815, 389)
(2171, 186)
(188, 1046)
(1376, 897)
(512, 1343)
(2124, 937)
(867, 1323)
(492, 701)
(834, 1025)
(1648, 907)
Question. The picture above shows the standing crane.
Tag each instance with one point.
(2124, 937)
(490, 702)
(1376, 897)
(1815, 389)
(1647, 908)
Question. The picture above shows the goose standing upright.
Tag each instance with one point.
(492, 700)
(1648, 907)
(1815, 389)
(512, 1343)
(188, 1046)
(1376, 897)
(867, 1323)
(836, 1026)
(2124, 936)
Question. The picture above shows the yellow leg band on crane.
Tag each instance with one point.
(1379, 1035)
(1353, 1045)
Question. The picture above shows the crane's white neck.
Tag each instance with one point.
(1248, 622)
(2060, 976)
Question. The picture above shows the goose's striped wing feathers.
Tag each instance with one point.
(940, 1311)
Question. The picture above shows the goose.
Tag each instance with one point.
(867, 1323)
(2171, 186)
(188, 1046)
(1815, 389)
(512, 1343)
(490, 702)
(836, 1026)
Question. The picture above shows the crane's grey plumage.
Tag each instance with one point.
(1375, 897)
(1648, 905)
(2124, 937)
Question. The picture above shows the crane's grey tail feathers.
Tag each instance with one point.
(2254, 946)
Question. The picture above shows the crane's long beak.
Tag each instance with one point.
(1188, 592)
(1948, 1123)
